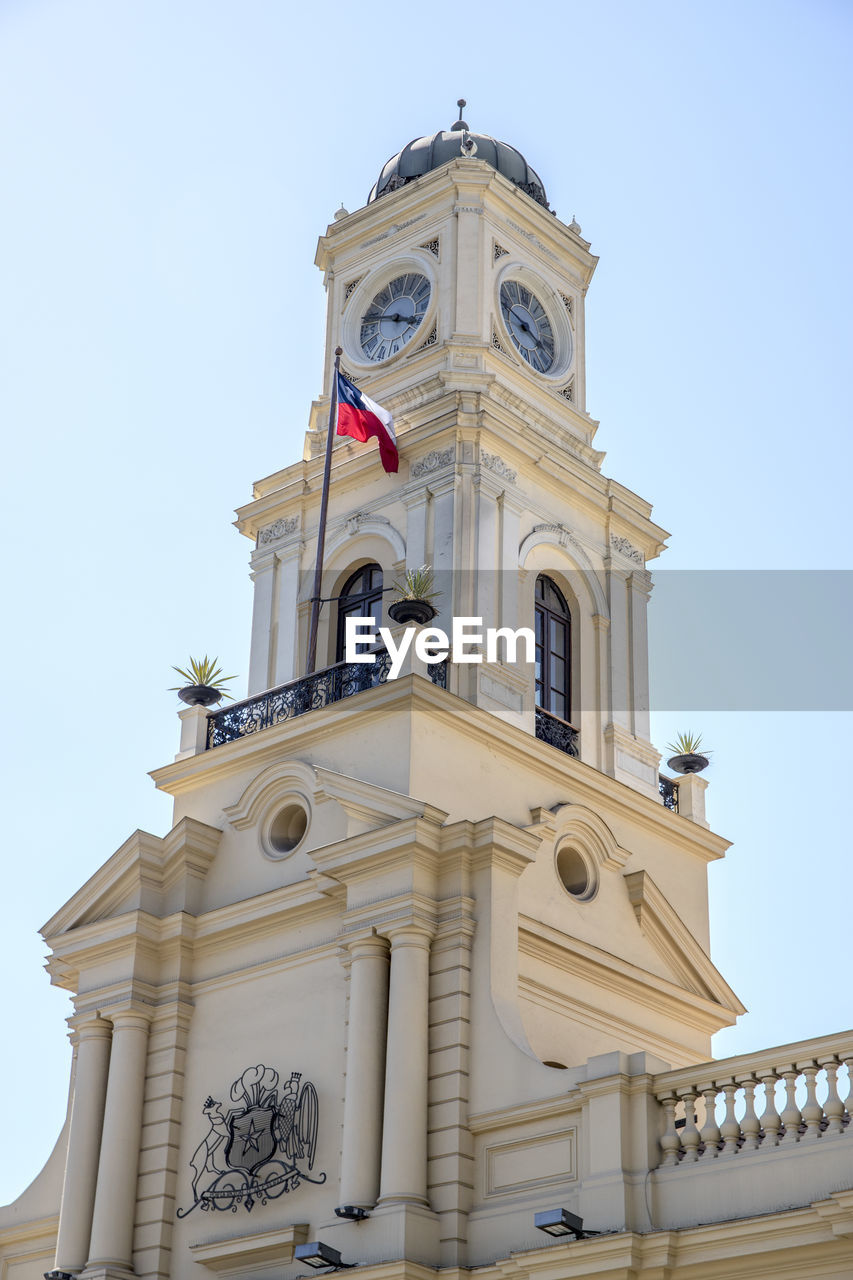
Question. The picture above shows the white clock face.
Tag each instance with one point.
(528, 325)
(393, 317)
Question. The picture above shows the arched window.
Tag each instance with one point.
(553, 650)
(361, 598)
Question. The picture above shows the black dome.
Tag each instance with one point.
(425, 154)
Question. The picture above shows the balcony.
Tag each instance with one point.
(332, 684)
(668, 789)
(556, 732)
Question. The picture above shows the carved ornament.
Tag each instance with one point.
(433, 461)
(625, 548)
(278, 530)
(496, 464)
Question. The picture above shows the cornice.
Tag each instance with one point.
(557, 1107)
(674, 942)
(435, 194)
(570, 778)
(640, 986)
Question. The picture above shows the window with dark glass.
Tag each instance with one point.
(361, 598)
(553, 649)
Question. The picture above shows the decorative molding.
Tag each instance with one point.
(578, 827)
(468, 208)
(431, 340)
(528, 235)
(433, 461)
(537, 1161)
(392, 230)
(567, 302)
(432, 246)
(355, 522)
(260, 1248)
(499, 251)
(568, 391)
(675, 943)
(626, 549)
(280, 529)
(351, 287)
(352, 377)
(499, 692)
(269, 788)
(364, 522)
(497, 344)
(559, 531)
(497, 464)
(558, 534)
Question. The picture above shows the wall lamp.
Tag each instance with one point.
(318, 1255)
(352, 1212)
(559, 1222)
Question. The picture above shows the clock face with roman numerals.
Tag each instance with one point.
(528, 325)
(394, 316)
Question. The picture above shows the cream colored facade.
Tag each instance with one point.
(474, 1042)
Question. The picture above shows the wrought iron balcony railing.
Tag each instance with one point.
(294, 699)
(558, 733)
(308, 694)
(668, 789)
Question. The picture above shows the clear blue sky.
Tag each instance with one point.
(168, 166)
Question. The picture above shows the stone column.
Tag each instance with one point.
(92, 1039)
(404, 1133)
(368, 1018)
(111, 1244)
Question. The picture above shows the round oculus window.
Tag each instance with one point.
(287, 829)
(576, 874)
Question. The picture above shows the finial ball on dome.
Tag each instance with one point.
(459, 125)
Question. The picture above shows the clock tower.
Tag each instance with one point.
(458, 299)
(421, 969)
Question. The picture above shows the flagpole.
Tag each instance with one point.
(321, 532)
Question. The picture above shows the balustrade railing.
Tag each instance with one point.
(558, 733)
(777, 1098)
(438, 673)
(294, 699)
(668, 789)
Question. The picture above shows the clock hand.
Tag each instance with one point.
(397, 319)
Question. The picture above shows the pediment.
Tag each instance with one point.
(667, 933)
(147, 873)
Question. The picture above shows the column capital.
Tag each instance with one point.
(129, 1015)
(366, 942)
(88, 1026)
(409, 933)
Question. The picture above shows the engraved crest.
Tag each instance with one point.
(258, 1150)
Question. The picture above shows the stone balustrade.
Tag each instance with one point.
(793, 1094)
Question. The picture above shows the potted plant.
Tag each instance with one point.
(415, 595)
(204, 682)
(687, 757)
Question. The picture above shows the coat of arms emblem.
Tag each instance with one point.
(258, 1149)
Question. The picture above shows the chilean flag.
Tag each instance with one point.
(362, 418)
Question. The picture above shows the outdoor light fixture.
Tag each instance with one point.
(559, 1222)
(319, 1255)
(353, 1212)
